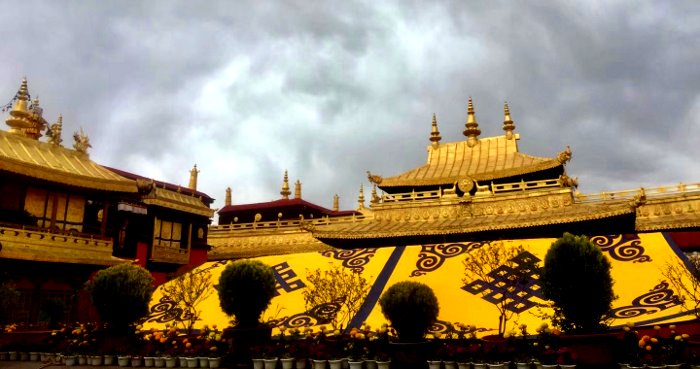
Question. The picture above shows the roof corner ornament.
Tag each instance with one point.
(361, 198)
(374, 178)
(508, 125)
(640, 198)
(145, 186)
(564, 156)
(375, 198)
(54, 132)
(435, 133)
(566, 181)
(285, 187)
(82, 141)
(472, 130)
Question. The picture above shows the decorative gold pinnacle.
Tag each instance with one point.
(193, 178)
(54, 132)
(375, 198)
(336, 202)
(361, 199)
(508, 125)
(472, 130)
(82, 141)
(285, 187)
(435, 133)
(297, 189)
(38, 123)
(19, 118)
(227, 199)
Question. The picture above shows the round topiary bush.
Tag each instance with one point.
(576, 277)
(121, 294)
(411, 307)
(246, 288)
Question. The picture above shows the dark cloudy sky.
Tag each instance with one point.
(328, 90)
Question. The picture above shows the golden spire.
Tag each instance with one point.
(285, 187)
(472, 131)
(336, 202)
(54, 132)
(193, 178)
(297, 189)
(375, 198)
(508, 124)
(19, 114)
(38, 123)
(227, 199)
(434, 133)
(361, 199)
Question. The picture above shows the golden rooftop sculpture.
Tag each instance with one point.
(508, 125)
(227, 198)
(336, 202)
(54, 132)
(434, 133)
(361, 199)
(26, 120)
(285, 187)
(472, 130)
(193, 178)
(82, 141)
(297, 189)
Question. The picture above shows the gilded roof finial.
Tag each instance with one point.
(38, 123)
(54, 132)
(193, 178)
(82, 141)
(361, 199)
(19, 114)
(434, 133)
(285, 187)
(375, 198)
(336, 202)
(227, 199)
(297, 189)
(472, 131)
(508, 125)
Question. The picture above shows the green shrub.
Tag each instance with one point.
(576, 277)
(411, 307)
(121, 294)
(246, 288)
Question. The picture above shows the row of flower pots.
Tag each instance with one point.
(292, 363)
(107, 360)
(461, 365)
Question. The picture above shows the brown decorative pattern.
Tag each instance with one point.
(318, 315)
(626, 247)
(166, 310)
(354, 259)
(441, 327)
(431, 257)
(657, 299)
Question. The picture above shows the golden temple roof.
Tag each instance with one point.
(42, 160)
(177, 201)
(491, 158)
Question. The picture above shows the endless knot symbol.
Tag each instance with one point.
(516, 285)
(285, 277)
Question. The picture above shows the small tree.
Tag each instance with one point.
(121, 294)
(480, 265)
(411, 307)
(336, 285)
(187, 291)
(685, 278)
(246, 288)
(576, 277)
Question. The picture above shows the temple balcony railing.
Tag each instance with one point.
(283, 224)
(32, 243)
(169, 254)
(649, 193)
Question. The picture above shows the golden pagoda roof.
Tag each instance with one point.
(459, 224)
(490, 158)
(41, 160)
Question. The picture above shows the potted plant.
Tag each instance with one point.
(412, 308)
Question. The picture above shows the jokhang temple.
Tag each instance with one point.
(63, 217)
(469, 194)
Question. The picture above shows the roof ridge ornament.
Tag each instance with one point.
(374, 178)
(82, 141)
(19, 118)
(193, 178)
(508, 124)
(361, 198)
(472, 130)
(227, 198)
(54, 132)
(435, 133)
(297, 189)
(285, 187)
(336, 202)
(564, 156)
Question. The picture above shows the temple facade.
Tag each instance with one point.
(63, 216)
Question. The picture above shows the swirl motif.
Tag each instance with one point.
(353, 259)
(320, 314)
(166, 310)
(432, 257)
(626, 247)
(218, 264)
(659, 298)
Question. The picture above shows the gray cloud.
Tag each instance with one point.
(249, 89)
